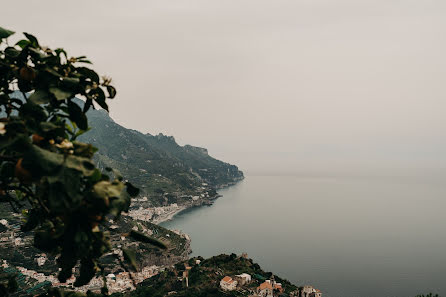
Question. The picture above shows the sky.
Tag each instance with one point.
(273, 86)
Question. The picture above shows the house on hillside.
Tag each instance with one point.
(265, 289)
(243, 279)
(278, 287)
(228, 284)
(309, 291)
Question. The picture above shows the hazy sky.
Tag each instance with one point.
(294, 85)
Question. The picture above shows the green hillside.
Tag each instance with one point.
(157, 164)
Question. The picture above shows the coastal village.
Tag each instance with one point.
(120, 282)
(12, 239)
(243, 284)
(225, 275)
(142, 208)
(268, 288)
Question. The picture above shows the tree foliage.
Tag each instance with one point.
(45, 172)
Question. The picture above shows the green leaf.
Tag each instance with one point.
(42, 162)
(80, 132)
(61, 94)
(7, 169)
(70, 81)
(24, 86)
(84, 165)
(132, 190)
(52, 129)
(84, 61)
(32, 39)
(147, 239)
(88, 73)
(12, 284)
(4, 99)
(39, 97)
(23, 43)
(111, 92)
(130, 256)
(32, 220)
(116, 172)
(99, 97)
(87, 272)
(43, 239)
(105, 189)
(60, 51)
(39, 54)
(53, 72)
(77, 116)
(4, 33)
(96, 176)
(12, 52)
(84, 149)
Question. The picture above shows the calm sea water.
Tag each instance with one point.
(349, 237)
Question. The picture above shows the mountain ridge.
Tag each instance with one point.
(157, 163)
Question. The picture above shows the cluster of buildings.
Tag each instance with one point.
(265, 289)
(148, 214)
(230, 284)
(309, 291)
(269, 288)
(115, 283)
(122, 281)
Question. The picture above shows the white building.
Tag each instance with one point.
(228, 284)
(41, 260)
(18, 241)
(244, 278)
(309, 291)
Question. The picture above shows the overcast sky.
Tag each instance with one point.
(300, 85)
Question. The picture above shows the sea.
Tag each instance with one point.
(349, 236)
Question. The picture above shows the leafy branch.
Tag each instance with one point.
(44, 98)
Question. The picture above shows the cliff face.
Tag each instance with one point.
(162, 169)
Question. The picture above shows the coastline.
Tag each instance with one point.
(171, 214)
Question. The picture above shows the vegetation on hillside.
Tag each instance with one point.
(156, 164)
(204, 278)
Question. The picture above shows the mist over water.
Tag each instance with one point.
(349, 236)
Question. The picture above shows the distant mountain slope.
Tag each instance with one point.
(157, 164)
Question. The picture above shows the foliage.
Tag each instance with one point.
(45, 172)
(8, 284)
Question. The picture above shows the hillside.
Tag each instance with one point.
(162, 169)
(204, 276)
